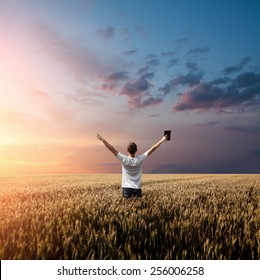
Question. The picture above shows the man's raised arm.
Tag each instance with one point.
(109, 146)
(156, 146)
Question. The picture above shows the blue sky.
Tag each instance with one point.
(129, 70)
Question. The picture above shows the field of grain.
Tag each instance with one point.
(85, 217)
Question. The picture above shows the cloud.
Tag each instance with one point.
(131, 52)
(106, 33)
(247, 79)
(135, 87)
(196, 51)
(191, 79)
(173, 62)
(242, 91)
(147, 76)
(233, 69)
(150, 65)
(169, 53)
(220, 81)
(117, 76)
(151, 56)
(137, 92)
(143, 70)
(202, 96)
(182, 41)
(150, 101)
(112, 80)
(153, 62)
(191, 66)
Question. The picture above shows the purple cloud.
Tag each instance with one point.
(112, 80)
(149, 101)
(137, 92)
(143, 70)
(196, 51)
(106, 33)
(131, 52)
(136, 87)
(191, 66)
(151, 56)
(191, 79)
(200, 96)
(206, 96)
(181, 42)
(117, 76)
(169, 53)
(247, 79)
(220, 81)
(233, 69)
(153, 62)
(173, 62)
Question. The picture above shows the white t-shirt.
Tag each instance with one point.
(131, 170)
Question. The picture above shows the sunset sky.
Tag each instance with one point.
(129, 70)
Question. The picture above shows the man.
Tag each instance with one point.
(131, 166)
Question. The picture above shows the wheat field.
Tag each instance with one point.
(204, 217)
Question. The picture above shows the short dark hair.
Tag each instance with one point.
(132, 148)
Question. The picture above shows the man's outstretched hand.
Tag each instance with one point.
(109, 146)
(164, 138)
(100, 137)
(156, 146)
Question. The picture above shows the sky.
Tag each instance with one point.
(129, 70)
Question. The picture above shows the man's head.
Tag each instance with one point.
(132, 148)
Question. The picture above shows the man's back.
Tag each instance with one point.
(131, 170)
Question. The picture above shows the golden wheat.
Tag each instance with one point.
(85, 217)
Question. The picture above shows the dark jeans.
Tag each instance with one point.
(129, 192)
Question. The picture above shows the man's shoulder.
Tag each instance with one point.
(120, 155)
(144, 155)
